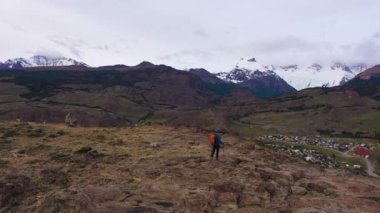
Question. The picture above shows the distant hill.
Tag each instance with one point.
(128, 95)
(102, 96)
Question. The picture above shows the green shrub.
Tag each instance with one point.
(9, 133)
(60, 132)
(52, 135)
(36, 133)
(377, 135)
(3, 162)
(100, 137)
(60, 154)
(326, 132)
(5, 140)
(83, 150)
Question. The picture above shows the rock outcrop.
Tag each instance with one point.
(70, 120)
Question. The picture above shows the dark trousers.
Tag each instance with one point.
(215, 148)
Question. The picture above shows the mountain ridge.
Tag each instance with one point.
(40, 61)
(290, 77)
(299, 77)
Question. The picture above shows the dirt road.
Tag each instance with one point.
(370, 167)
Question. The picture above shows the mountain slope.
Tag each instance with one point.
(267, 85)
(316, 75)
(206, 76)
(100, 96)
(299, 77)
(214, 83)
(367, 83)
(244, 70)
(369, 73)
(262, 81)
(40, 61)
(128, 95)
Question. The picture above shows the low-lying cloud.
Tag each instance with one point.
(213, 34)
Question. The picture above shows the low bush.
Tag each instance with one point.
(83, 150)
(36, 133)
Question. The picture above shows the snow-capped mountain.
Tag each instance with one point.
(40, 61)
(299, 77)
(246, 70)
(261, 80)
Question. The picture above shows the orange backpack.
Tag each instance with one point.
(212, 138)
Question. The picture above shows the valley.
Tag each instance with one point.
(135, 139)
(189, 106)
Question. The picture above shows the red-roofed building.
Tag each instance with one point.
(362, 151)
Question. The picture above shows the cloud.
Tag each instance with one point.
(103, 47)
(288, 50)
(73, 45)
(368, 50)
(212, 34)
(277, 51)
(77, 52)
(19, 28)
(67, 41)
(187, 58)
(46, 52)
(201, 33)
(286, 44)
(280, 50)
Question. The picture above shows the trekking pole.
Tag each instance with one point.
(223, 148)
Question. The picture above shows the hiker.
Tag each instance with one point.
(216, 143)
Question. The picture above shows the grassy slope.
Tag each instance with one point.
(165, 168)
(309, 111)
(125, 98)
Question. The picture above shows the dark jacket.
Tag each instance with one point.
(218, 140)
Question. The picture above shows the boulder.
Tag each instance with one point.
(71, 120)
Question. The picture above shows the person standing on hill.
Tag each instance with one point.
(216, 143)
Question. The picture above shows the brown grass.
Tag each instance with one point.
(160, 167)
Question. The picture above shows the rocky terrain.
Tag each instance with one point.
(157, 168)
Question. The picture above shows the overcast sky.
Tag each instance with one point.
(213, 34)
